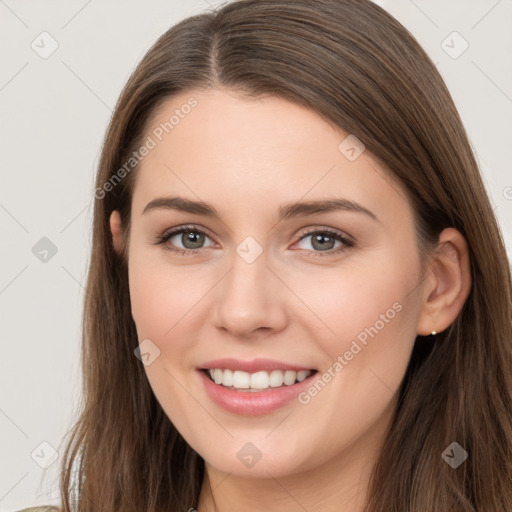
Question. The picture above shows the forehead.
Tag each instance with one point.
(221, 147)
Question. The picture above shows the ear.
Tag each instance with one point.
(447, 284)
(117, 232)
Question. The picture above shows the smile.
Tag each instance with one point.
(258, 381)
(253, 388)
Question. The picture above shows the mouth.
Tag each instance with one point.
(260, 381)
(254, 387)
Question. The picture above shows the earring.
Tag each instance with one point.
(433, 333)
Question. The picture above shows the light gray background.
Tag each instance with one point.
(54, 115)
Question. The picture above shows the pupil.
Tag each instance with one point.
(318, 238)
(195, 238)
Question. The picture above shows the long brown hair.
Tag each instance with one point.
(359, 68)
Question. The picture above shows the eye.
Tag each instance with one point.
(190, 236)
(323, 240)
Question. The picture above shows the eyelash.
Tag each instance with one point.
(162, 239)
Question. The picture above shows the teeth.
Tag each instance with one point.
(241, 380)
(303, 374)
(259, 380)
(217, 376)
(276, 379)
(227, 377)
(289, 377)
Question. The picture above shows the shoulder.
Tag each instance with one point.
(40, 509)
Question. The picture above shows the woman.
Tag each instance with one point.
(233, 358)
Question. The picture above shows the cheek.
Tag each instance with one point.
(370, 314)
(348, 300)
(160, 295)
(162, 299)
(169, 307)
(365, 314)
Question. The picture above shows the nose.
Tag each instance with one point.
(250, 299)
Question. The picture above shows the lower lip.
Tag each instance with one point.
(253, 403)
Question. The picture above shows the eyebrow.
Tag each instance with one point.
(286, 211)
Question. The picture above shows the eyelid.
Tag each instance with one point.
(341, 236)
(172, 232)
(324, 229)
(184, 227)
(346, 240)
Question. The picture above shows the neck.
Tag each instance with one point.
(339, 484)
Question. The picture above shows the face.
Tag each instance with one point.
(326, 300)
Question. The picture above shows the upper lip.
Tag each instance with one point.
(253, 366)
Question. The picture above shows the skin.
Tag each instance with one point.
(247, 157)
